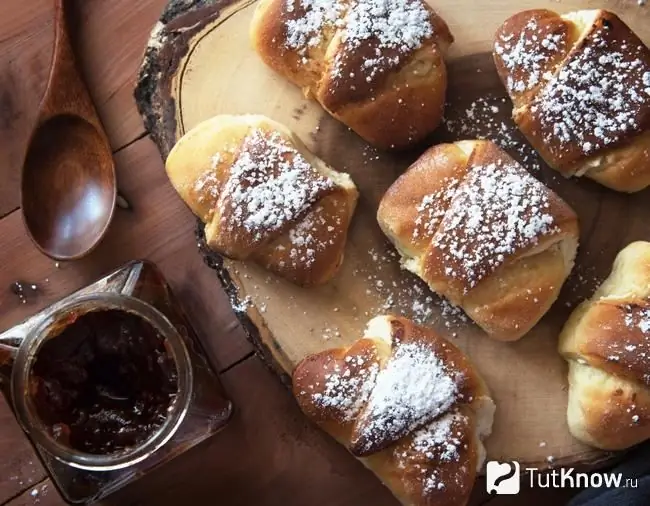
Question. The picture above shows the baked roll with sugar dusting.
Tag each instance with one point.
(606, 342)
(264, 197)
(483, 233)
(580, 84)
(377, 66)
(408, 404)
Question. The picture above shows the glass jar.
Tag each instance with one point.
(50, 327)
(199, 410)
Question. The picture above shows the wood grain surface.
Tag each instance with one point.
(248, 463)
(210, 68)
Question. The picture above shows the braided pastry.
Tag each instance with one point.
(483, 233)
(264, 197)
(375, 65)
(407, 403)
(580, 84)
(607, 344)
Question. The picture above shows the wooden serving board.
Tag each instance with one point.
(199, 63)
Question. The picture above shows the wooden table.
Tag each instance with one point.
(269, 454)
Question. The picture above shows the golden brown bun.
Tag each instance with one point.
(391, 92)
(407, 403)
(580, 84)
(483, 233)
(607, 344)
(264, 197)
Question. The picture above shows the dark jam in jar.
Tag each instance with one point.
(105, 383)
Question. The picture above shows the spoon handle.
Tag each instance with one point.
(66, 92)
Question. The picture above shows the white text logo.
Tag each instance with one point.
(504, 478)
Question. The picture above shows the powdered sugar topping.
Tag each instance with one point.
(496, 212)
(527, 55)
(414, 387)
(312, 236)
(438, 440)
(598, 98)
(432, 447)
(394, 27)
(432, 208)
(306, 30)
(346, 391)
(270, 185)
(397, 24)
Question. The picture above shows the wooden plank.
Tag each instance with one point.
(114, 35)
(41, 494)
(159, 228)
(25, 53)
(110, 39)
(20, 468)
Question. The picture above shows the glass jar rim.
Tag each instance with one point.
(50, 327)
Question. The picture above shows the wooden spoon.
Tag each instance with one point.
(68, 178)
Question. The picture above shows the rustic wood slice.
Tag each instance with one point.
(199, 63)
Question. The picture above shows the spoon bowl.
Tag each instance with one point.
(67, 179)
(68, 187)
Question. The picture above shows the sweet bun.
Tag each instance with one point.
(264, 197)
(483, 233)
(376, 66)
(580, 84)
(408, 404)
(606, 342)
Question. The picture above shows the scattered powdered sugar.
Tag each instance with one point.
(345, 391)
(486, 118)
(413, 387)
(598, 98)
(394, 290)
(396, 28)
(528, 54)
(497, 211)
(269, 186)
